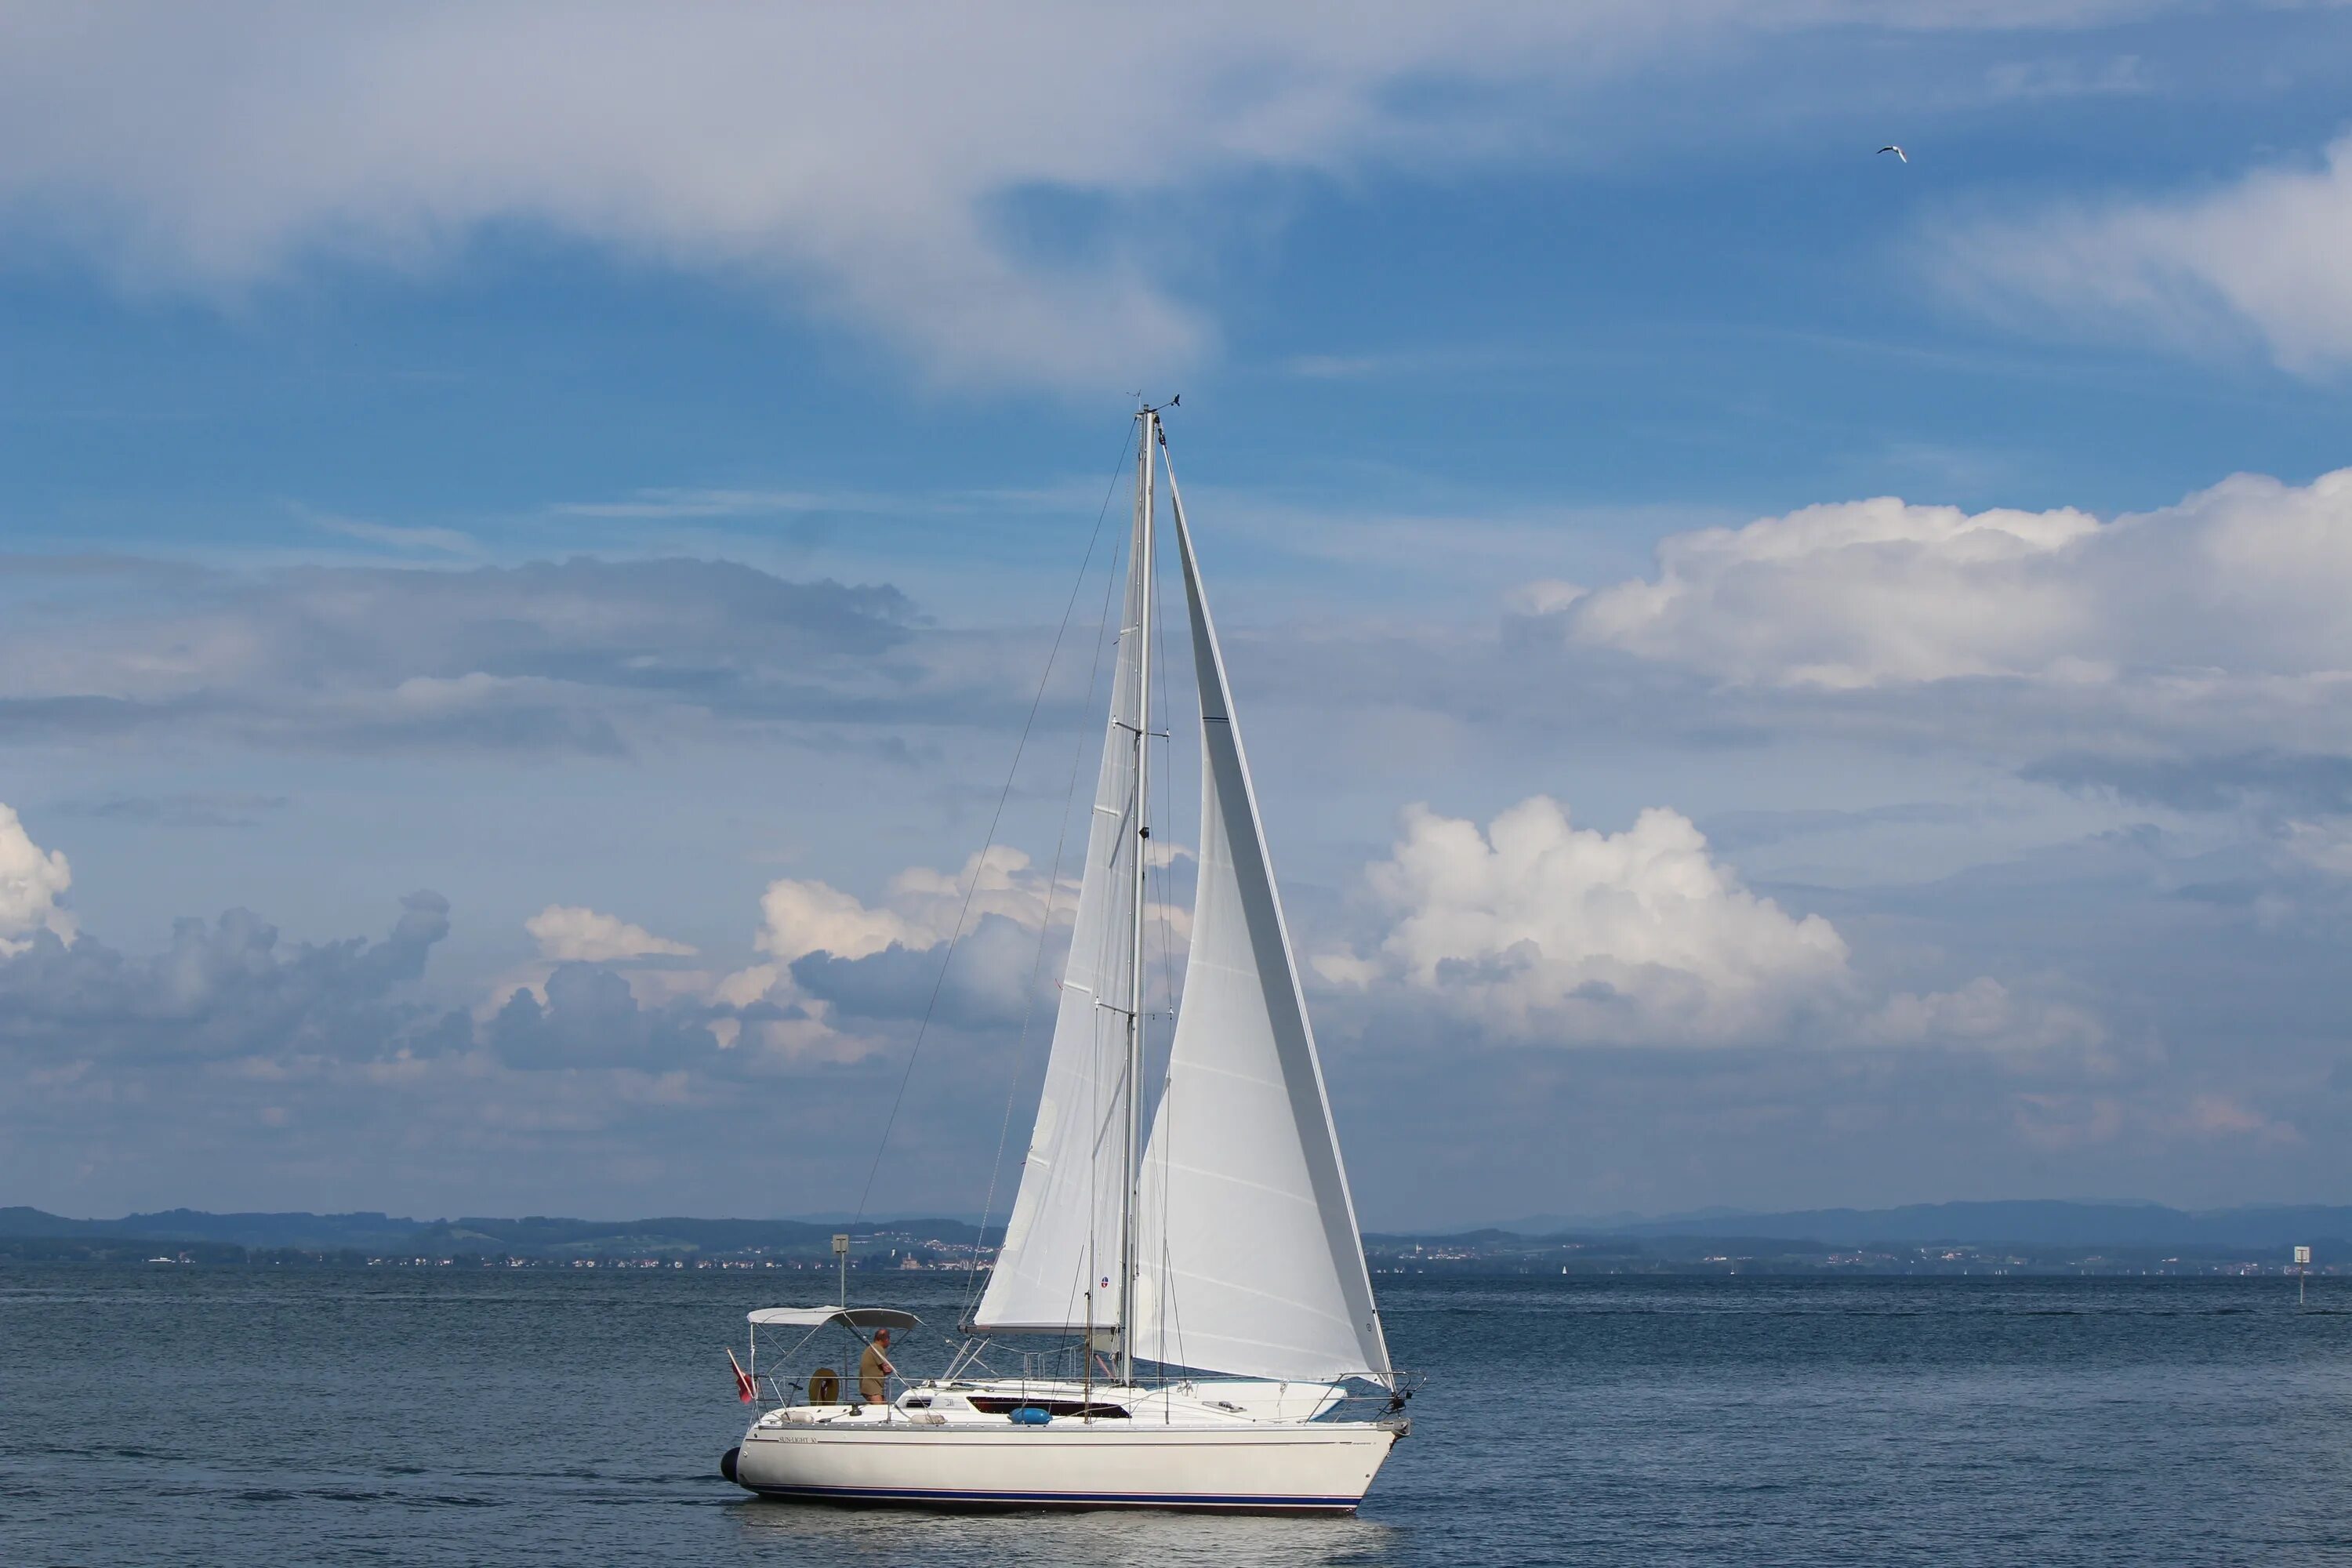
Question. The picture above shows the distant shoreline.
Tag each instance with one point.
(2021, 1239)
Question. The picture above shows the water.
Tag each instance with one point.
(438, 1417)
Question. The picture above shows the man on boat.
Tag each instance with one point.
(873, 1367)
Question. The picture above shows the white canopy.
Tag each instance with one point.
(817, 1317)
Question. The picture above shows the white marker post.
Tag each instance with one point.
(841, 1250)
(2302, 1266)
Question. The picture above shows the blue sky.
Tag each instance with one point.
(622, 479)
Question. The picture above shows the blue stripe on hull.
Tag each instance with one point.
(924, 1498)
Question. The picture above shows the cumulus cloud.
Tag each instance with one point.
(987, 983)
(837, 982)
(1541, 929)
(1984, 1011)
(33, 883)
(2243, 581)
(2261, 257)
(1851, 595)
(919, 908)
(567, 933)
(592, 1019)
(871, 163)
(233, 1054)
(836, 963)
(1534, 931)
(228, 988)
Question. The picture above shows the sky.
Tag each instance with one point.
(1777, 675)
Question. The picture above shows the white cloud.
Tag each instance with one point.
(33, 883)
(2043, 79)
(919, 910)
(1538, 932)
(863, 159)
(571, 655)
(2241, 584)
(2261, 258)
(1540, 929)
(1984, 1012)
(2326, 843)
(567, 933)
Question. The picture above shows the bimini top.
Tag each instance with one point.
(817, 1317)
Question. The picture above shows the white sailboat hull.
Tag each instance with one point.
(1289, 1468)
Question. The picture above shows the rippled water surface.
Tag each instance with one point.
(229, 1416)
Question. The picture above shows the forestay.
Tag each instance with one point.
(1250, 1261)
(1062, 1241)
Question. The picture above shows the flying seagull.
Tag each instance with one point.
(1896, 150)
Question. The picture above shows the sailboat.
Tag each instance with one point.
(1180, 1317)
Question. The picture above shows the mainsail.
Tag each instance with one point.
(1059, 1265)
(1249, 1260)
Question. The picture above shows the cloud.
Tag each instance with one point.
(234, 1059)
(579, 656)
(570, 934)
(33, 883)
(592, 1019)
(1539, 928)
(2042, 79)
(1984, 1012)
(230, 991)
(1851, 594)
(198, 809)
(880, 168)
(919, 907)
(1753, 829)
(2150, 1023)
(224, 989)
(987, 984)
(838, 980)
(2260, 258)
(1535, 932)
(2296, 782)
(2242, 582)
(432, 541)
(839, 966)
(2298, 802)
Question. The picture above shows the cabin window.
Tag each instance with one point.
(1058, 1409)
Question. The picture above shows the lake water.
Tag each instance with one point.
(190, 1416)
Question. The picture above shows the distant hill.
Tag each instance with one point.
(326, 1233)
(2039, 1222)
(2028, 1224)
(534, 1236)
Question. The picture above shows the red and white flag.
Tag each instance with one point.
(744, 1388)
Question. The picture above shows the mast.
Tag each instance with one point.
(1131, 1169)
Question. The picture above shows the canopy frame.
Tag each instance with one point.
(814, 1319)
(818, 1317)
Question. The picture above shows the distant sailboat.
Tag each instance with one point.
(1204, 1317)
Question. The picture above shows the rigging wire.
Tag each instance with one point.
(1052, 887)
(979, 865)
(1083, 1275)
